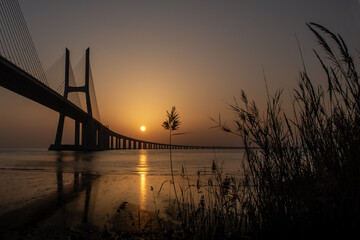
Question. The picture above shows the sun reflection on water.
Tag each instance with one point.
(142, 169)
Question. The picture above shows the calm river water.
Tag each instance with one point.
(73, 187)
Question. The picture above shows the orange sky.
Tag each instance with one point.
(148, 56)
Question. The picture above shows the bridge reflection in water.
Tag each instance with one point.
(68, 204)
(81, 188)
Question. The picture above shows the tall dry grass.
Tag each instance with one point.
(304, 180)
(301, 173)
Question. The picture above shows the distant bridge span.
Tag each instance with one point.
(95, 136)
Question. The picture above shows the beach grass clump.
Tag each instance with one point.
(210, 205)
(303, 179)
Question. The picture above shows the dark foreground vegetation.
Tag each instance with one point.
(303, 179)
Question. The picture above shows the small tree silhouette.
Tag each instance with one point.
(172, 123)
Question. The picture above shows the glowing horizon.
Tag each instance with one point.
(147, 57)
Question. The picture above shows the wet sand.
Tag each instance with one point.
(85, 210)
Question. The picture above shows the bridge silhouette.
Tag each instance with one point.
(21, 72)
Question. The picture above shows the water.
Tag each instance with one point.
(49, 187)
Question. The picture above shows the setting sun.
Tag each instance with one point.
(143, 128)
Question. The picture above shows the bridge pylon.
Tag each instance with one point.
(89, 132)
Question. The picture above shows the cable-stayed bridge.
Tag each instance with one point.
(58, 88)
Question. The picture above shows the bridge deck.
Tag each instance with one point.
(20, 82)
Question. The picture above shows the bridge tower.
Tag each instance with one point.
(89, 131)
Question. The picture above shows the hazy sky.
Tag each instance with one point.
(148, 56)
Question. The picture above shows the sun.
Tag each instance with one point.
(143, 128)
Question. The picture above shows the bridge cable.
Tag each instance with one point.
(55, 74)
(29, 39)
(14, 26)
(12, 39)
(93, 99)
(61, 87)
(2, 50)
(79, 76)
(30, 42)
(22, 48)
(79, 71)
(74, 96)
(5, 33)
(4, 41)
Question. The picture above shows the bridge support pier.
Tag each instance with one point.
(90, 140)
